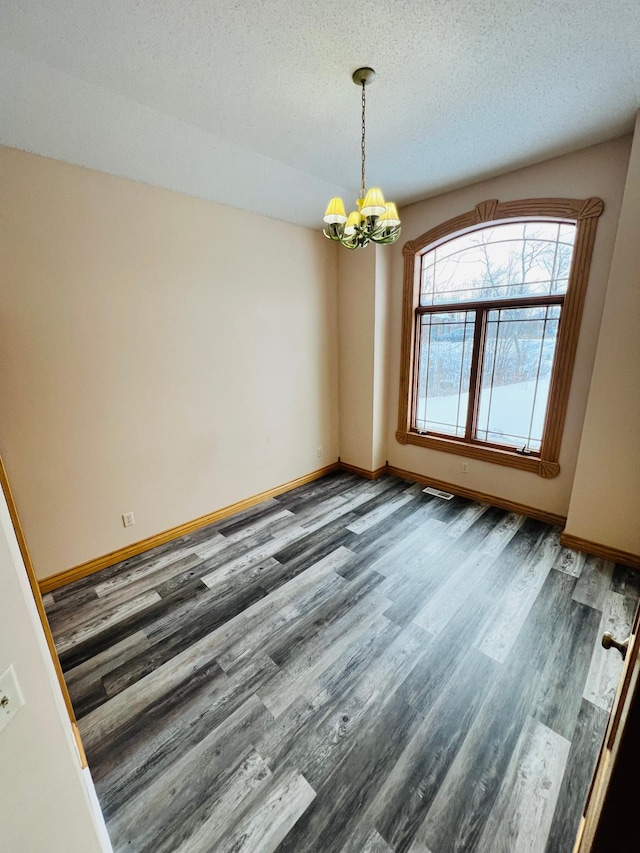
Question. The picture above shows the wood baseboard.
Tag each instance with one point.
(362, 472)
(482, 497)
(567, 539)
(604, 551)
(110, 559)
(55, 581)
(80, 746)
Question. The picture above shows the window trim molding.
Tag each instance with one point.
(585, 213)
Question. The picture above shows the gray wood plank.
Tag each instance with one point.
(411, 785)
(442, 605)
(585, 746)
(318, 652)
(146, 575)
(570, 562)
(381, 512)
(594, 582)
(81, 629)
(465, 518)
(503, 531)
(606, 665)
(474, 604)
(626, 581)
(459, 812)
(316, 737)
(564, 673)
(267, 820)
(273, 522)
(337, 680)
(252, 774)
(288, 647)
(168, 811)
(418, 846)
(49, 601)
(521, 817)
(144, 751)
(513, 607)
(372, 842)
(85, 680)
(353, 781)
(409, 557)
(282, 607)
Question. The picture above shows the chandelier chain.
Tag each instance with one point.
(374, 219)
(363, 137)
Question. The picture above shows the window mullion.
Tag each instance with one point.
(419, 331)
(476, 373)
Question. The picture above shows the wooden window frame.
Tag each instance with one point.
(584, 214)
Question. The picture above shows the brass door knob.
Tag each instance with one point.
(610, 642)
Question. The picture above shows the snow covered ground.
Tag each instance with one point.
(508, 414)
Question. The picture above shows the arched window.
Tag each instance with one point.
(492, 308)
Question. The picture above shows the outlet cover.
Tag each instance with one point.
(11, 699)
(127, 519)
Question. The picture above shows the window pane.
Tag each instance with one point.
(519, 350)
(445, 347)
(503, 261)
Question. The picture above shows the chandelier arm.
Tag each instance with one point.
(380, 230)
(334, 232)
(350, 242)
(385, 241)
(353, 241)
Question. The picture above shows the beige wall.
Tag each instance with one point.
(381, 355)
(159, 354)
(45, 799)
(356, 312)
(605, 504)
(597, 171)
(363, 294)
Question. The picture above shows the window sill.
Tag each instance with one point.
(542, 467)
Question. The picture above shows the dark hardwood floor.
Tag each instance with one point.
(353, 666)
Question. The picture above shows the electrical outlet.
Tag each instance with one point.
(128, 520)
(465, 467)
(320, 452)
(11, 699)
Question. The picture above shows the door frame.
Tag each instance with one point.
(35, 589)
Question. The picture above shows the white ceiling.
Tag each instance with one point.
(251, 103)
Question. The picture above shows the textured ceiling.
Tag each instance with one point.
(251, 103)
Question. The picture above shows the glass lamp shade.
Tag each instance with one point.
(335, 212)
(374, 204)
(390, 217)
(353, 221)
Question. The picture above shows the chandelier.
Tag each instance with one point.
(375, 219)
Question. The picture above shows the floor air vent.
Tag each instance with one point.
(438, 493)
